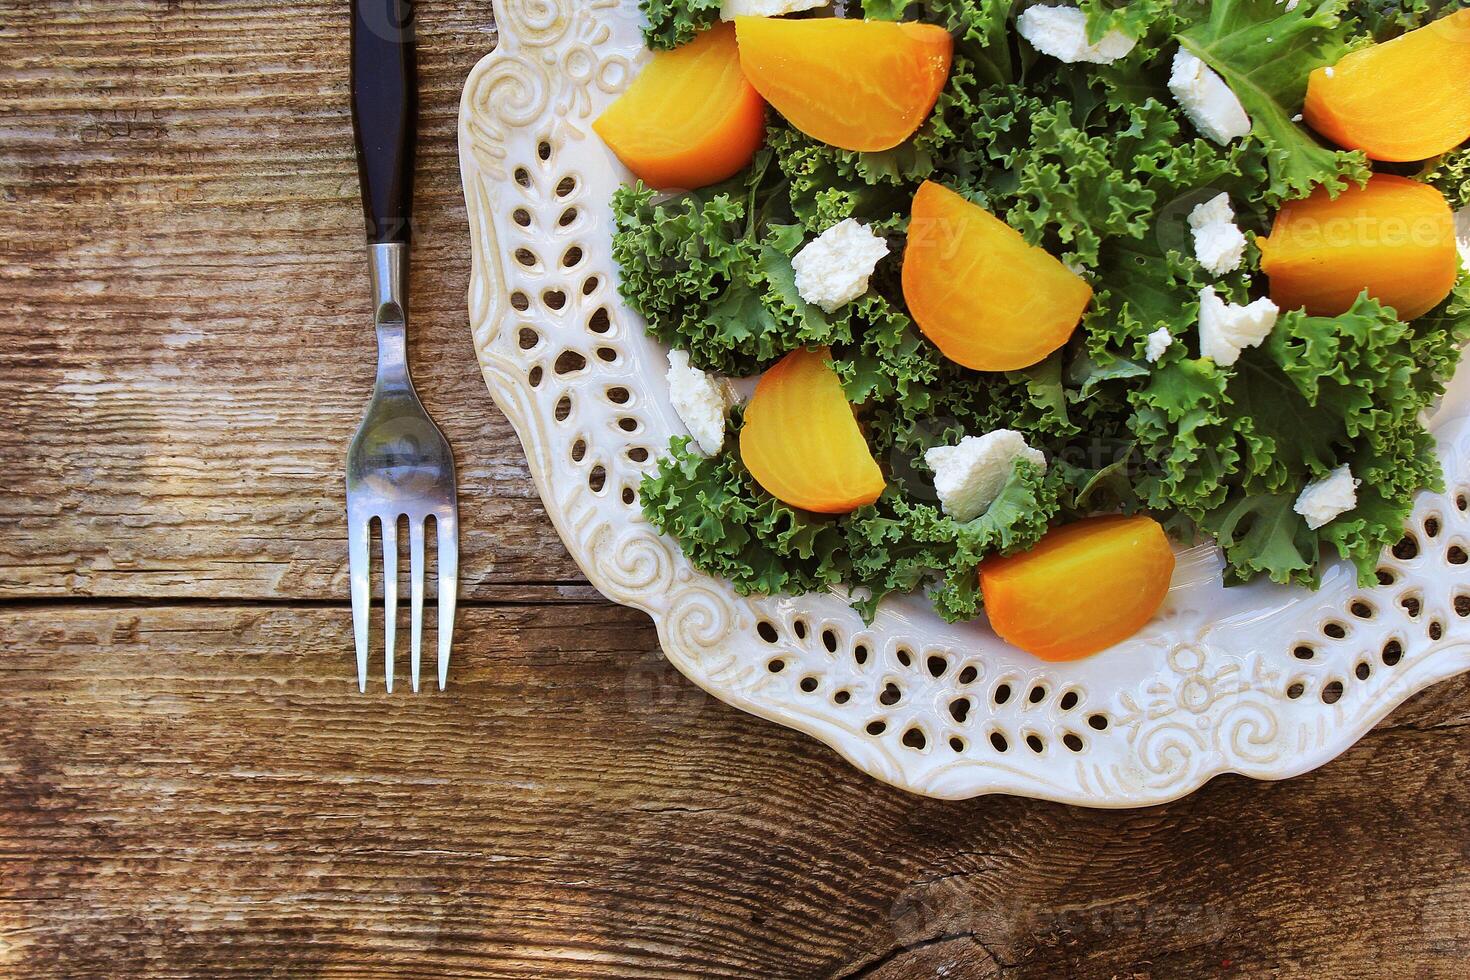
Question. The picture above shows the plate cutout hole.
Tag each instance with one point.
(1098, 722)
(1332, 693)
(959, 709)
(599, 321)
(842, 697)
(860, 653)
(956, 743)
(1361, 609)
(1002, 694)
(877, 727)
(569, 362)
(1393, 652)
(535, 377)
(565, 187)
(1296, 690)
(998, 741)
(1303, 652)
(521, 217)
(904, 657)
(1436, 630)
(891, 695)
(915, 739)
(767, 631)
(1073, 741)
(572, 256)
(597, 479)
(554, 299)
(1456, 555)
(1035, 744)
(1334, 631)
(529, 338)
(563, 408)
(1407, 549)
(829, 640)
(968, 675)
(808, 684)
(776, 666)
(937, 665)
(1362, 672)
(520, 301)
(1037, 695)
(1068, 701)
(618, 396)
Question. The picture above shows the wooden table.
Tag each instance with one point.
(189, 782)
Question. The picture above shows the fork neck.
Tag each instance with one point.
(388, 276)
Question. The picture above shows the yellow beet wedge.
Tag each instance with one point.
(980, 292)
(1394, 237)
(801, 442)
(856, 84)
(1403, 100)
(1085, 587)
(690, 119)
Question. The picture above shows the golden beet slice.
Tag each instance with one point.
(801, 442)
(690, 119)
(856, 84)
(1405, 99)
(1084, 588)
(984, 296)
(1394, 237)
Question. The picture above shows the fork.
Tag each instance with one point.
(399, 464)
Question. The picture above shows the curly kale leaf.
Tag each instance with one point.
(1383, 20)
(711, 272)
(675, 22)
(728, 526)
(1265, 52)
(1450, 174)
(1233, 448)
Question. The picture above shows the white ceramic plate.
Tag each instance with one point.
(1261, 680)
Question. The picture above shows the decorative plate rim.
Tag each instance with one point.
(1258, 680)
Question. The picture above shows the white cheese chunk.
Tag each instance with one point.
(730, 9)
(833, 268)
(1158, 342)
(1328, 498)
(700, 401)
(1218, 243)
(1226, 329)
(1207, 100)
(1062, 33)
(970, 476)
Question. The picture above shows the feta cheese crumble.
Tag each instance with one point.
(1218, 243)
(730, 9)
(833, 268)
(1158, 342)
(1207, 100)
(1062, 33)
(700, 401)
(1324, 500)
(970, 476)
(1226, 329)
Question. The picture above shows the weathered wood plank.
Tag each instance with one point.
(198, 791)
(184, 339)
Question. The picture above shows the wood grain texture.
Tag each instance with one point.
(189, 786)
(187, 339)
(198, 791)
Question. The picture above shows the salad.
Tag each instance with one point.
(1032, 289)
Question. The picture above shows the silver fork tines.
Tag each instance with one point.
(399, 466)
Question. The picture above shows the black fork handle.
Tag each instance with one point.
(384, 115)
